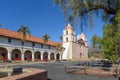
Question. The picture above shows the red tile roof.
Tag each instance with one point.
(13, 34)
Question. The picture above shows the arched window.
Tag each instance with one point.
(66, 39)
(66, 32)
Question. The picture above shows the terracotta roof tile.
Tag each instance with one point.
(13, 34)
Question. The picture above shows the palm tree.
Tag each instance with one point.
(24, 31)
(45, 37)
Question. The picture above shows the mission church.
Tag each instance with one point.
(34, 48)
(75, 48)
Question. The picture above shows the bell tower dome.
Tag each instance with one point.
(69, 34)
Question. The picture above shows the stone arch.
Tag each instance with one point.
(3, 54)
(28, 55)
(16, 54)
(45, 56)
(52, 56)
(58, 56)
(37, 55)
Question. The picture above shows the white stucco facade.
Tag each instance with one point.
(73, 48)
(12, 49)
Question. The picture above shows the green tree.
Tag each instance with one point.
(94, 40)
(86, 9)
(23, 31)
(45, 37)
(108, 42)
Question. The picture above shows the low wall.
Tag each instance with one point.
(36, 74)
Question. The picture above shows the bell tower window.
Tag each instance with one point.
(67, 39)
(66, 32)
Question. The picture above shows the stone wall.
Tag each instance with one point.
(36, 74)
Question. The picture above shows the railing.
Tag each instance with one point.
(73, 68)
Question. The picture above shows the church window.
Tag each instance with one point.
(22, 43)
(33, 44)
(67, 39)
(9, 40)
(49, 46)
(41, 45)
(66, 32)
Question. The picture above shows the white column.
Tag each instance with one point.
(49, 56)
(22, 56)
(42, 56)
(55, 55)
(9, 56)
(33, 56)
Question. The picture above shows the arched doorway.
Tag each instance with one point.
(37, 55)
(45, 56)
(52, 56)
(16, 54)
(3, 54)
(58, 57)
(28, 55)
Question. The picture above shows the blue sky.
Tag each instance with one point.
(41, 16)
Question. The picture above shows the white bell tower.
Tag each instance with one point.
(69, 36)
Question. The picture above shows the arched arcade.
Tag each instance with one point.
(16, 54)
(37, 55)
(3, 54)
(28, 55)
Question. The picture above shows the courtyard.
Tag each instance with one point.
(56, 71)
